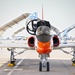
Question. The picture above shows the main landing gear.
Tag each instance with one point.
(12, 55)
(43, 63)
(12, 59)
(73, 60)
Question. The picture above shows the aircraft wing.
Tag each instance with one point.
(12, 45)
(23, 44)
(68, 45)
(15, 44)
(18, 31)
(13, 22)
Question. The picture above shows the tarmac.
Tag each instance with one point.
(28, 64)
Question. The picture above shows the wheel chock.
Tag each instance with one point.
(11, 65)
(73, 64)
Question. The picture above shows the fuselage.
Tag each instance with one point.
(43, 37)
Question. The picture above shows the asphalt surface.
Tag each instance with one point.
(28, 64)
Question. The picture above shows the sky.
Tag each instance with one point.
(60, 13)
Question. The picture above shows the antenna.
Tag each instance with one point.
(42, 13)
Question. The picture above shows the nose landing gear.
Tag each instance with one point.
(44, 63)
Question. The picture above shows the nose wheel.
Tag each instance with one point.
(48, 66)
(43, 63)
(41, 66)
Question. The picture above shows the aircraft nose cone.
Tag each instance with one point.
(43, 38)
(43, 33)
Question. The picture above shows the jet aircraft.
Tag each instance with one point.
(40, 40)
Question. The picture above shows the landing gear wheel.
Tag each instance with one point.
(73, 63)
(13, 62)
(48, 66)
(40, 66)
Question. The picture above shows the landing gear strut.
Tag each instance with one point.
(43, 63)
(73, 60)
(12, 59)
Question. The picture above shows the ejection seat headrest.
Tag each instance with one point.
(43, 23)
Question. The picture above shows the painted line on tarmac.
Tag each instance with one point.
(18, 64)
(11, 69)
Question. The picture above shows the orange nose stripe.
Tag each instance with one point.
(44, 48)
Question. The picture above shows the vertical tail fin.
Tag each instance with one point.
(42, 13)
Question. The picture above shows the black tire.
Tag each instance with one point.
(40, 66)
(48, 68)
(13, 62)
